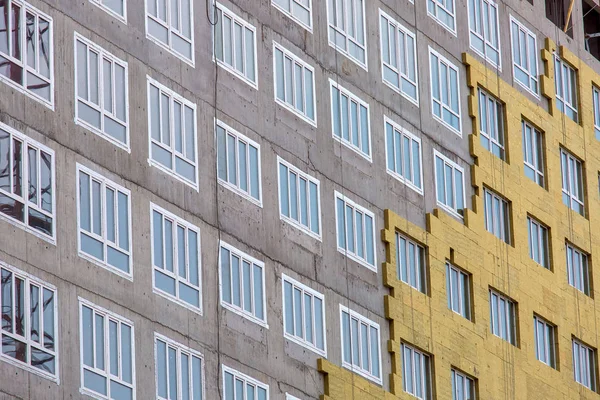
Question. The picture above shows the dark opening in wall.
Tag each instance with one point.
(591, 27)
(557, 12)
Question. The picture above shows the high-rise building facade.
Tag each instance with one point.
(299, 199)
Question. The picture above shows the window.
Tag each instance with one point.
(484, 35)
(578, 269)
(29, 322)
(524, 54)
(172, 123)
(559, 13)
(497, 215)
(458, 289)
(242, 284)
(596, 105)
(290, 397)
(416, 372)
(491, 124)
(565, 83)
(360, 345)
(545, 341)
(445, 92)
(117, 8)
(299, 198)
(403, 153)
(179, 371)
(539, 250)
(298, 10)
(104, 222)
(107, 349)
(238, 163)
(235, 45)
(304, 315)
(101, 92)
(29, 67)
(463, 386)
(449, 185)
(294, 84)
(355, 231)
(237, 386)
(533, 154)
(502, 317)
(27, 183)
(350, 120)
(442, 11)
(347, 29)
(398, 57)
(584, 365)
(410, 260)
(572, 181)
(170, 24)
(176, 258)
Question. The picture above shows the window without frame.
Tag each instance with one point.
(171, 24)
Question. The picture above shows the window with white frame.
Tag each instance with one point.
(403, 153)
(449, 185)
(360, 344)
(484, 33)
(290, 397)
(107, 353)
(347, 28)
(350, 120)
(539, 250)
(578, 272)
(458, 290)
(442, 11)
(118, 8)
(445, 91)
(524, 56)
(172, 124)
(238, 163)
(491, 124)
(27, 183)
(304, 315)
(171, 25)
(497, 215)
(298, 10)
(29, 322)
(416, 372)
(571, 170)
(104, 219)
(410, 262)
(398, 57)
(101, 92)
(565, 84)
(242, 284)
(179, 370)
(176, 258)
(545, 341)
(299, 198)
(26, 50)
(533, 153)
(596, 105)
(502, 317)
(355, 231)
(463, 386)
(235, 44)
(294, 84)
(584, 365)
(238, 386)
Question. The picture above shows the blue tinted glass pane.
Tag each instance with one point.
(94, 382)
(221, 154)
(225, 276)
(157, 239)
(346, 336)
(303, 203)
(123, 222)
(374, 352)
(364, 122)
(110, 214)
(298, 313)
(247, 270)
(254, 173)
(185, 377)
(341, 232)
(113, 347)
(319, 328)
(189, 295)
(197, 378)
(120, 392)
(262, 394)
(161, 367)
(168, 245)
(85, 216)
(126, 353)
(96, 208)
(243, 163)
(99, 345)
(164, 282)
(118, 259)
(283, 190)
(172, 354)
(315, 213)
(194, 264)
(335, 111)
(88, 345)
(308, 88)
(288, 308)
(236, 280)
(370, 242)
(258, 292)
(181, 270)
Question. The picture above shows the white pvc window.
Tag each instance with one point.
(497, 215)
(170, 24)
(28, 308)
(578, 272)
(596, 105)
(361, 351)
(350, 120)
(463, 386)
(410, 262)
(445, 91)
(299, 198)
(104, 222)
(27, 183)
(238, 386)
(355, 231)
(117, 8)
(347, 29)
(107, 353)
(458, 290)
(101, 92)
(524, 55)
(179, 370)
(176, 258)
(299, 11)
(26, 50)
(491, 124)
(416, 372)
(502, 317)
(484, 33)
(565, 84)
(242, 284)
(304, 315)
(584, 365)
(403, 154)
(442, 11)
(538, 242)
(398, 57)
(290, 397)
(545, 341)
(235, 45)
(571, 170)
(533, 153)
(449, 185)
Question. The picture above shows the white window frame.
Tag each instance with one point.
(493, 115)
(177, 221)
(352, 366)
(425, 372)
(571, 182)
(578, 276)
(566, 86)
(29, 281)
(342, 31)
(416, 273)
(248, 380)
(312, 293)
(533, 152)
(589, 381)
(491, 224)
(455, 167)
(122, 18)
(527, 69)
(290, 14)
(596, 110)
(393, 148)
(509, 324)
(545, 352)
(290, 397)
(539, 250)
(440, 4)
(482, 28)
(103, 55)
(463, 293)
(468, 382)
(445, 107)
(171, 31)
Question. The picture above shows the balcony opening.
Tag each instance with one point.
(559, 12)
(591, 27)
